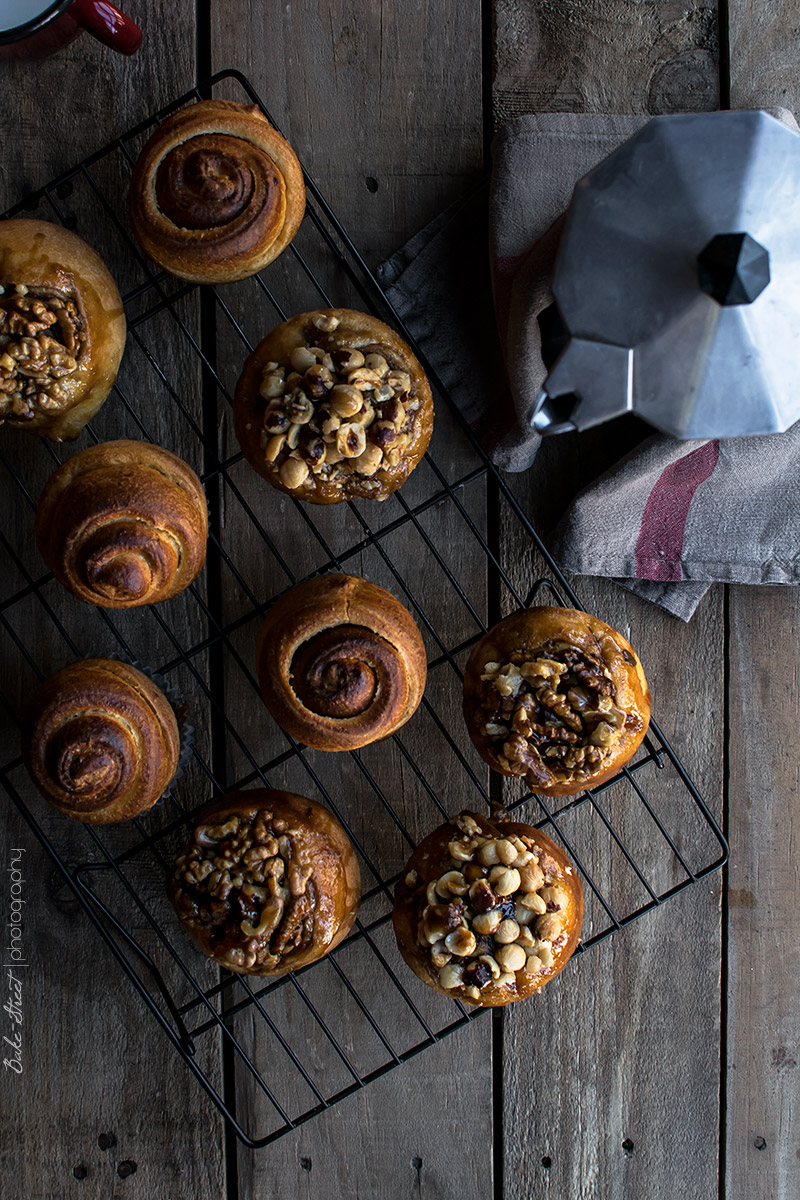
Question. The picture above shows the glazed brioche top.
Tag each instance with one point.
(341, 662)
(123, 523)
(289, 892)
(557, 696)
(487, 910)
(102, 741)
(333, 405)
(217, 193)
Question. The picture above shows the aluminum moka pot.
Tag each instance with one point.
(678, 282)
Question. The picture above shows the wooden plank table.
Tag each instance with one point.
(664, 1062)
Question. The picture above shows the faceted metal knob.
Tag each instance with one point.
(733, 268)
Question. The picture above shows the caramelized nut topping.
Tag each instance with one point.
(495, 910)
(551, 709)
(42, 343)
(359, 405)
(248, 879)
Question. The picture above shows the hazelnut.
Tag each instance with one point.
(504, 880)
(452, 883)
(345, 401)
(326, 322)
(461, 942)
(507, 931)
(485, 923)
(345, 361)
(450, 975)
(511, 958)
(550, 926)
(481, 896)
(293, 473)
(302, 359)
(351, 440)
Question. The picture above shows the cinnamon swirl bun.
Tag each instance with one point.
(290, 890)
(101, 742)
(341, 663)
(217, 193)
(122, 524)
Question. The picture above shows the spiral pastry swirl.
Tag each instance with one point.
(217, 193)
(123, 524)
(341, 663)
(102, 742)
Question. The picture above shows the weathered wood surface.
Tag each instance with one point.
(763, 1001)
(103, 1107)
(611, 1079)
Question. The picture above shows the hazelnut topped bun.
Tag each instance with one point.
(217, 193)
(341, 663)
(62, 329)
(557, 697)
(487, 910)
(333, 405)
(122, 524)
(268, 883)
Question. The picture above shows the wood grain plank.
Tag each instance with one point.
(763, 1091)
(763, 54)
(590, 56)
(615, 1065)
(387, 117)
(763, 1081)
(103, 1106)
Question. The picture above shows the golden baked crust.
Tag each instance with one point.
(341, 663)
(122, 524)
(217, 193)
(487, 910)
(291, 890)
(62, 329)
(556, 696)
(101, 742)
(332, 405)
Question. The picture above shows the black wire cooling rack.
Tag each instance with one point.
(274, 1053)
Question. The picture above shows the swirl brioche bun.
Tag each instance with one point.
(123, 524)
(101, 741)
(217, 194)
(341, 663)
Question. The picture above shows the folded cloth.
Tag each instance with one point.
(671, 517)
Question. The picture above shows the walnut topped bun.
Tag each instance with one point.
(332, 405)
(487, 911)
(62, 329)
(557, 697)
(268, 883)
(341, 663)
(217, 193)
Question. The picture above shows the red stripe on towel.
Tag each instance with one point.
(660, 542)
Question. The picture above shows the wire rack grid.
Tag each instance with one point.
(272, 1054)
